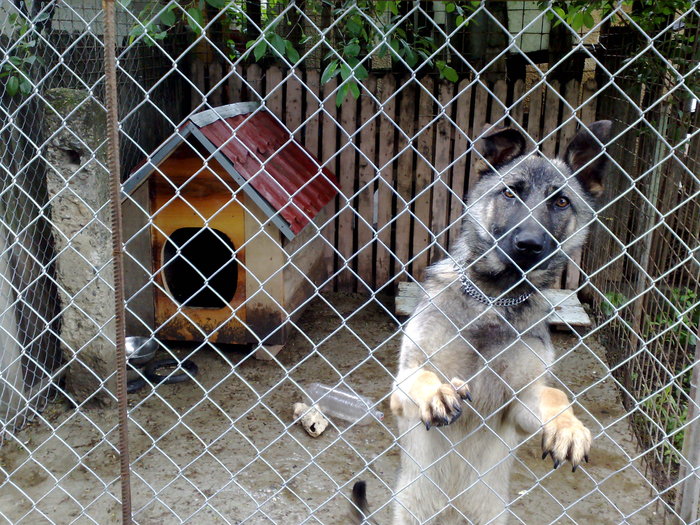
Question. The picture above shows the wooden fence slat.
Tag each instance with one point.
(459, 176)
(367, 172)
(587, 116)
(386, 182)
(480, 120)
(518, 108)
(346, 172)
(499, 110)
(571, 93)
(293, 106)
(329, 157)
(551, 119)
(404, 177)
(235, 84)
(254, 83)
(215, 84)
(313, 117)
(273, 91)
(534, 128)
(197, 76)
(443, 156)
(422, 236)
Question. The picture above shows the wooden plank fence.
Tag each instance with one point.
(402, 153)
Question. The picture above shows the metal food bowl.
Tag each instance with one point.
(140, 350)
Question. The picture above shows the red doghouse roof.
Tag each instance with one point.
(282, 177)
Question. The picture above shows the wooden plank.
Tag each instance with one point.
(499, 110)
(571, 92)
(404, 177)
(568, 311)
(273, 91)
(422, 236)
(197, 77)
(459, 176)
(329, 157)
(480, 120)
(293, 106)
(215, 84)
(346, 172)
(587, 114)
(551, 119)
(313, 113)
(385, 190)
(443, 156)
(235, 84)
(254, 83)
(534, 128)
(518, 106)
(367, 173)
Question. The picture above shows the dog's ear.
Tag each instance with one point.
(501, 145)
(586, 146)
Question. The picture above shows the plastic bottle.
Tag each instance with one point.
(341, 403)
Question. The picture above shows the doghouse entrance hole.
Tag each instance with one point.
(204, 274)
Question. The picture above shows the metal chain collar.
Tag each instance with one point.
(469, 289)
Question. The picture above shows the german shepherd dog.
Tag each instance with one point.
(480, 334)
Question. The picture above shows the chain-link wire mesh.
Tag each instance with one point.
(291, 172)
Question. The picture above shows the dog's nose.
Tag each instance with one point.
(529, 243)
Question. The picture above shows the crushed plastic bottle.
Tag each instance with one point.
(343, 404)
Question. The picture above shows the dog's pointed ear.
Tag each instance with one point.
(501, 145)
(584, 147)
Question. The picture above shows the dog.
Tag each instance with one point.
(476, 353)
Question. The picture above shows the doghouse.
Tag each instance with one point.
(235, 205)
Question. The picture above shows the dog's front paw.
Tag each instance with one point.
(565, 438)
(441, 404)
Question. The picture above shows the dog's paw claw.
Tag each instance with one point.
(444, 406)
(566, 439)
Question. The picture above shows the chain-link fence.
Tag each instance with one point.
(291, 171)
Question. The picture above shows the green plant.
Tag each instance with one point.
(667, 408)
(21, 56)
(613, 302)
(682, 328)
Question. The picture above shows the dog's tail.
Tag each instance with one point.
(359, 508)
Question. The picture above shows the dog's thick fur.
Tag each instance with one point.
(523, 216)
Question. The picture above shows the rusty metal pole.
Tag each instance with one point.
(110, 66)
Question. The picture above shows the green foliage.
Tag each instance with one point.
(681, 329)
(613, 302)
(669, 408)
(21, 56)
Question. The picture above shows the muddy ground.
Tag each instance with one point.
(225, 450)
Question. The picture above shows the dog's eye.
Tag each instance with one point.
(508, 193)
(562, 202)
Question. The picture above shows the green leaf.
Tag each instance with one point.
(12, 86)
(260, 50)
(361, 72)
(460, 20)
(277, 42)
(292, 54)
(354, 27)
(354, 90)
(345, 71)
(330, 71)
(588, 20)
(195, 19)
(342, 92)
(41, 17)
(577, 21)
(352, 49)
(168, 18)
(450, 7)
(449, 73)
(25, 87)
(218, 4)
